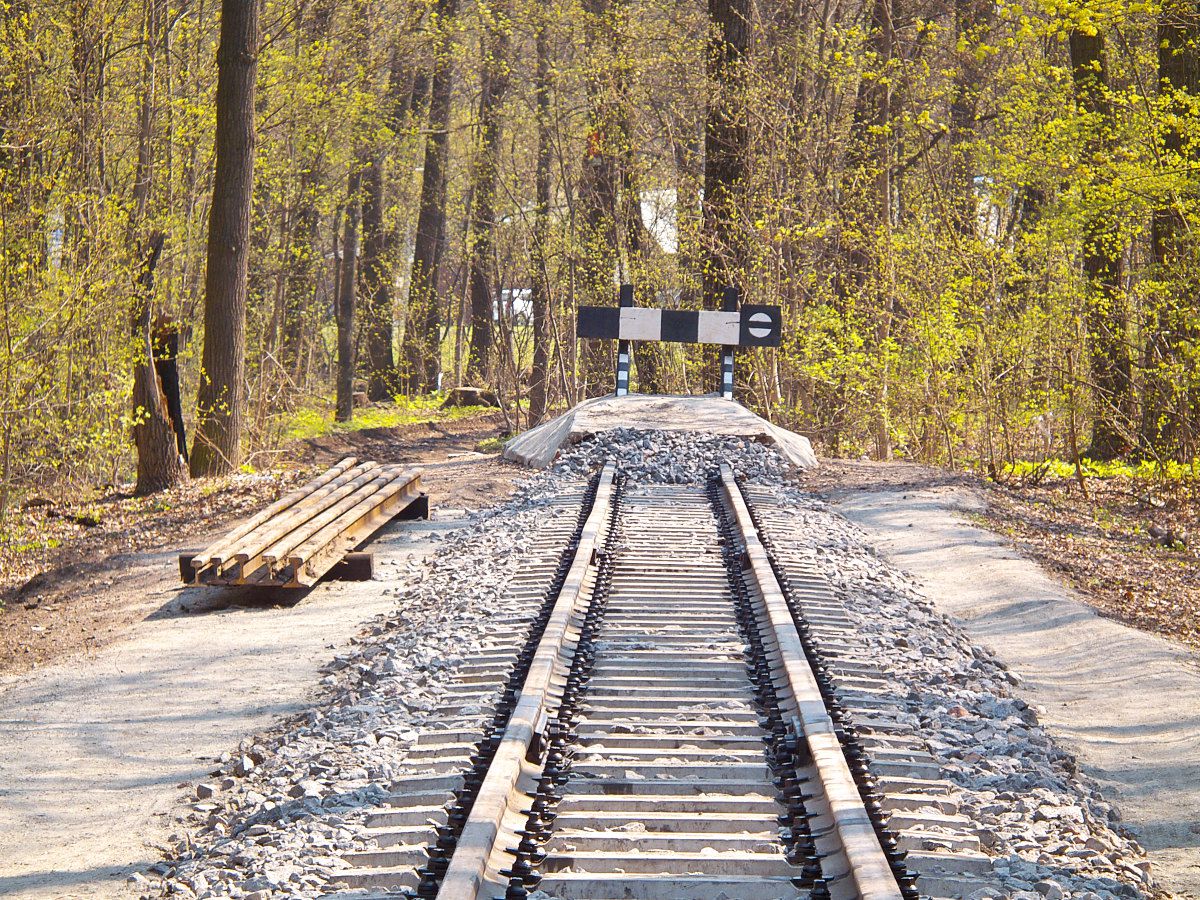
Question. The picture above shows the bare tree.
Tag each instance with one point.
(494, 71)
(422, 331)
(217, 447)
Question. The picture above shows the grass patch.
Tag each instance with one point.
(491, 445)
(317, 421)
(21, 537)
(1142, 470)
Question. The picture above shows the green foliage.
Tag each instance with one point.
(17, 538)
(317, 421)
(491, 445)
(912, 328)
(1141, 470)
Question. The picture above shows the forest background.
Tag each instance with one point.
(979, 219)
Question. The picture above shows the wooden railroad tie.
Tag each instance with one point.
(310, 532)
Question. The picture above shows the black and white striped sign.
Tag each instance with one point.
(750, 326)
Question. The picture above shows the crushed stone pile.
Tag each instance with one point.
(672, 457)
(541, 445)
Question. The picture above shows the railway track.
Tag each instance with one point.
(670, 729)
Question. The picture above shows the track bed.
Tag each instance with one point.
(669, 730)
(670, 785)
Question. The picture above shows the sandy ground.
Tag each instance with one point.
(96, 752)
(100, 747)
(1126, 702)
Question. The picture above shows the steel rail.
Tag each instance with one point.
(843, 846)
(468, 866)
(868, 868)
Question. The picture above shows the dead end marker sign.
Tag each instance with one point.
(732, 326)
(750, 326)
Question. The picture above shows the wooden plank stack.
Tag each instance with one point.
(299, 538)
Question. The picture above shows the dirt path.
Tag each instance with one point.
(96, 750)
(141, 684)
(1126, 702)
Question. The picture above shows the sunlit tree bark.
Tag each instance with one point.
(217, 448)
(421, 348)
(494, 77)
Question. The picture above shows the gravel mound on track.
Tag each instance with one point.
(274, 821)
(673, 457)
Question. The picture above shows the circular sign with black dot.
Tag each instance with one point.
(761, 326)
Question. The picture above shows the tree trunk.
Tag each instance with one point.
(166, 364)
(483, 191)
(157, 428)
(375, 273)
(345, 301)
(217, 447)
(422, 332)
(726, 157)
(598, 256)
(1111, 364)
(1171, 410)
(409, 90)
(598, 181)
(642, 254)
(299, 321)
(375, 277)
(539, 377)
(159, 463)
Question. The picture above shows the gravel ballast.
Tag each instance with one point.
(1047, 826)
(278, 816)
